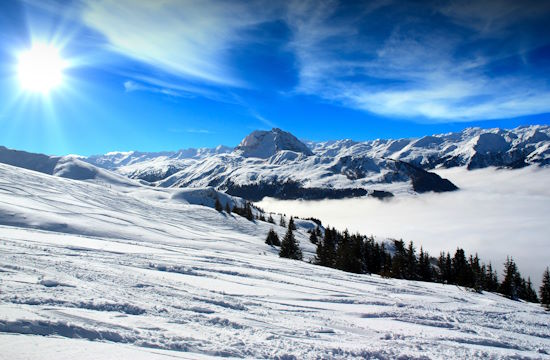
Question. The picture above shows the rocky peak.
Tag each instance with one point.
(264, 144)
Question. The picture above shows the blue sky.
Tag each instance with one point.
(152, 76)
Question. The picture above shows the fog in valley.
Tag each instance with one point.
(495, 213)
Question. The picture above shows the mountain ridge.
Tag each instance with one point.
(275, 163)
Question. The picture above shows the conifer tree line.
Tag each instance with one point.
(362, 255)
(245, 211)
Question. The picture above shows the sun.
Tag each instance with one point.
(40, 68)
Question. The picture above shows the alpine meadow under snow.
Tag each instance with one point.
(102, 265)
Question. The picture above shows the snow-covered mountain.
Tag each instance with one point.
(117, 159)
(265, 144)
(93, 271)
(276, 164)
(472, 147)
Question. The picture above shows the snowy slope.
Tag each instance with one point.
(70, 167)
(130, 272)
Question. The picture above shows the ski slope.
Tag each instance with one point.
(90, 269)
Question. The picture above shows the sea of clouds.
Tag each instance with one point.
(495, 213)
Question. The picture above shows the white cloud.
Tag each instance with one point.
(189, 39)
(414, 73)
(496, 213)
(419, 70)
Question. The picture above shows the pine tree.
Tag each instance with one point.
(270, 219)
(387, 262)
(424, 267)
(343, 251)
(248, 212)
(399, 260)
(476, 281)
(411, 262)
(372, 256)
(508, 286)
(443, 275)
(272, 238)
(326, 249)
(461, 269)
(313, 238)
(545, 290)
(291, 224)
(227, 207)
(282, 222)
(491, 279)
(218, 205)
(531, 294)
(290, 247)
(449, 269)
(376, 262)
(358, 262)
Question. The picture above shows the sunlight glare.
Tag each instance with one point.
(40, 68)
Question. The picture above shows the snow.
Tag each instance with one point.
(95, 271)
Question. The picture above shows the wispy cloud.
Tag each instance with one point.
(262, 119)
(189, 39)
(419, 69)
(431, 61)
(198, 131)
(131, 86)
(191, 131)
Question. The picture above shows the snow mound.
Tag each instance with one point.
(30, 161)
(205, 196)
(76, 169)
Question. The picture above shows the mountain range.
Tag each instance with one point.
(276, 164)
